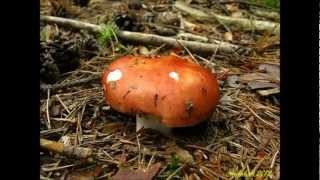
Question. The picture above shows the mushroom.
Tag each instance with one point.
(163, 92)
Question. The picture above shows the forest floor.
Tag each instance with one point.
(82, 137)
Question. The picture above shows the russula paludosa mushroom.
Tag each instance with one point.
(163, 92)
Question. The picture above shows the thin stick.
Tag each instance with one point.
(151, 159)
(258, 165)
(63, 105)
(213, 57)
(194, 59)
(48, 115)
(154, 51)
(57, 168)
(251, 133)
(274, 159)
(107, 154)
(139, 149)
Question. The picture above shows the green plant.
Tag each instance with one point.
(174, 163)
(108, 33)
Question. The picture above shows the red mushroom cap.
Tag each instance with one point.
(181, 93)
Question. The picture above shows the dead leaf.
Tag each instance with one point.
(228, 36)
(128, 174)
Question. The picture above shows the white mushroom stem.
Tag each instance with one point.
(151, 122)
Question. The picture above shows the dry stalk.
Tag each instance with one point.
(274, 158)
(56, 168)
(47, 109)
(139, 150)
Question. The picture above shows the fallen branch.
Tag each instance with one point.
(242, 23)
(150, 39)
(58, 147)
